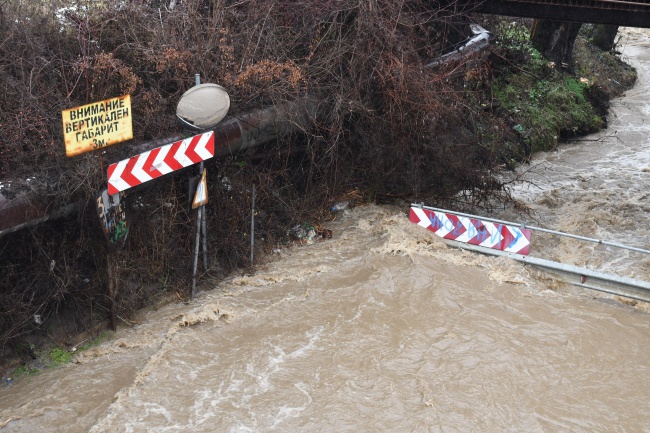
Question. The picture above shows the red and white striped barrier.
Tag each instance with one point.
(473, 231)
(159, 161)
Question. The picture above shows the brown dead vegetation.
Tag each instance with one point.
(386, 127)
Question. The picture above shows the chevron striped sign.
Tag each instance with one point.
(472, 231)
(159, 161)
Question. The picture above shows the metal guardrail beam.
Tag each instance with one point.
(582, 277)
(577, 276)
(539, 229)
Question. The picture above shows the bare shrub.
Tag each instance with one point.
(386, 127)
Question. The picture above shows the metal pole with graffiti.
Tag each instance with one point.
(111, 210)
(92, 127)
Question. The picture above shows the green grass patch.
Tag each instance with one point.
(23, 371)
(59, 356)
(541, 104)
(544, 110)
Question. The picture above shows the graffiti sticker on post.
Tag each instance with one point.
(111, 210)
(100, 124)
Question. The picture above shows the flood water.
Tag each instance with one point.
(598, 186)
(383, 328)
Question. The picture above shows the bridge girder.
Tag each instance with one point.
(612, 12)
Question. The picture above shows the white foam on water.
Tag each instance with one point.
(381, 328)
(597, 188)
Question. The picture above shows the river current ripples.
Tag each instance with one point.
(384, 328)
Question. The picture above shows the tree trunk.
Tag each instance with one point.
(554, 39)
(604, 36)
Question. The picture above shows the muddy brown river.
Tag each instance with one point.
(384, 328)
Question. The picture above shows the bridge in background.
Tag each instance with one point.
(627, 13)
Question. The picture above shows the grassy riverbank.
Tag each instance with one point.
(546, 105)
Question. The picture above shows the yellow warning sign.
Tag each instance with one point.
(93, 126)
(201, 195)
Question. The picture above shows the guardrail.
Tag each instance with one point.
(575, 275)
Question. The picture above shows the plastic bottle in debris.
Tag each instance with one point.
(340, 205)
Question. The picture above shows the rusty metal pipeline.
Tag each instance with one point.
(234, 134)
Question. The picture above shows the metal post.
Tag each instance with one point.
(205, 238)
(201, 225)
(252, 225)
(111, 287)
(196, 251)
(197, 81)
